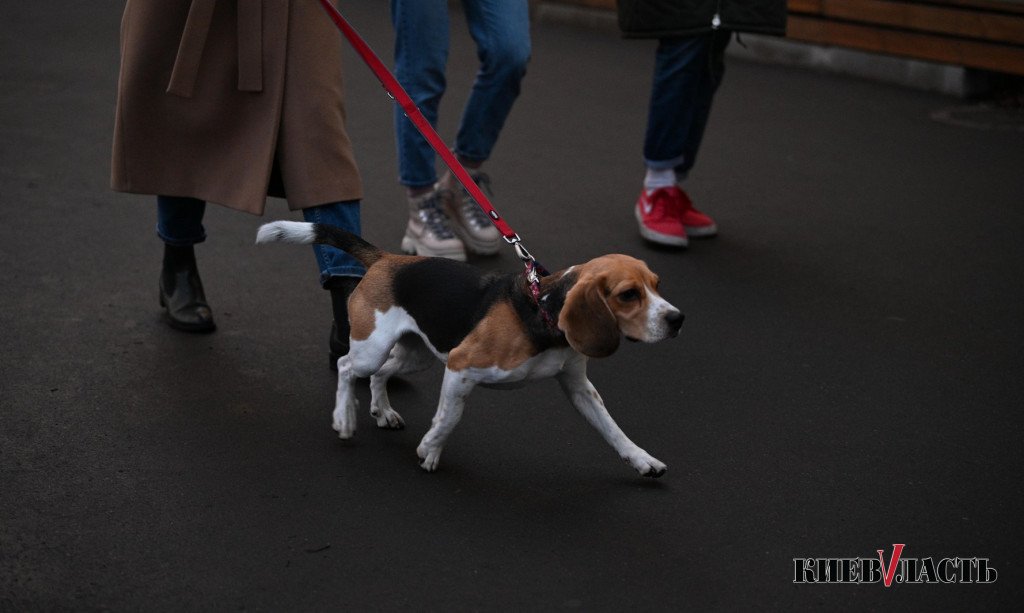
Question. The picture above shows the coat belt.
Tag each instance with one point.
(193, 40)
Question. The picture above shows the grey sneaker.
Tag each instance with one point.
(469, 221)
(429, 231)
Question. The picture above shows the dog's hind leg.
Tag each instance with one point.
(364, 358)
(345, 403)
(407, 356)
(380, 404)
(454, 390)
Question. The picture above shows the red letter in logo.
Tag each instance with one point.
(890, 573)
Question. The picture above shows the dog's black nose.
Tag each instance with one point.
(675, 320)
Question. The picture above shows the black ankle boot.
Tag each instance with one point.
(340, 288)
(181, 291)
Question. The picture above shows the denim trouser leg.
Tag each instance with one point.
(331, 261)
(687, 73)
(421, 52)
(500, 29)
(179, 221)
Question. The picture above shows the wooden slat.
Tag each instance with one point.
(930, 19)
(597, 4)
(805, 6)
(814, 6)
(985, 34)
(1002, 58)
(996, 6)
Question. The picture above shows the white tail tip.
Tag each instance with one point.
(285, 232)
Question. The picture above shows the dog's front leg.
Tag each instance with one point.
(345, 403)
(454, 390)
(588, 402)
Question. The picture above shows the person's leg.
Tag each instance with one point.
(711, 75)
(501, 30)
(421, 53)
(683, 87)
(679, 67)
(334, 263)
(339, 271)
(697, 223)
(659, 207)
(180, 226)
(179, 221)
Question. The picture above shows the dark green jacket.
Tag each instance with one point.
(667, 18)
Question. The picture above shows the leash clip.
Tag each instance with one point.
(535, 270)
(527, 258)
(521, 250)
(532, 276)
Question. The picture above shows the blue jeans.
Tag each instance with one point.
(501, 30)
(180, 223)
(687, 72)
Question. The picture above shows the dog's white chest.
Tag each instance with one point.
(543, 365)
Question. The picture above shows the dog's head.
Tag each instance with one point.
(614, 296)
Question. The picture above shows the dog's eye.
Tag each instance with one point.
(630, 295)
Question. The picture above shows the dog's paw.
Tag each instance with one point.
(647, 466)
(345, 431)
(388, 418)
(344, 424)
(344, 417)
(429, 457)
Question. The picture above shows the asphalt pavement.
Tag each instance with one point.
(849, 376)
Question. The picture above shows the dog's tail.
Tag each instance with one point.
(321, 234)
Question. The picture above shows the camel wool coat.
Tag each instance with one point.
(231, 100)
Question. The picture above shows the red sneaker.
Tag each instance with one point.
(660, 216)
(697, 224)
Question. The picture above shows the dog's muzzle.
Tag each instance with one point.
(674, 321)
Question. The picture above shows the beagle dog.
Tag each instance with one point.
(487, 329)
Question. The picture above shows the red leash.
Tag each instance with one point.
(396, 91)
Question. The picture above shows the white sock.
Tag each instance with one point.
(657, 179)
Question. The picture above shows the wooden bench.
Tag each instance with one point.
(983, 34)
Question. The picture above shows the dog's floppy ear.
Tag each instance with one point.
(588, 323)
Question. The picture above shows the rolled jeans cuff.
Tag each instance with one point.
(665, 164)
(179, 220)
(343, 271)
(180, 242)
(332, 261)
